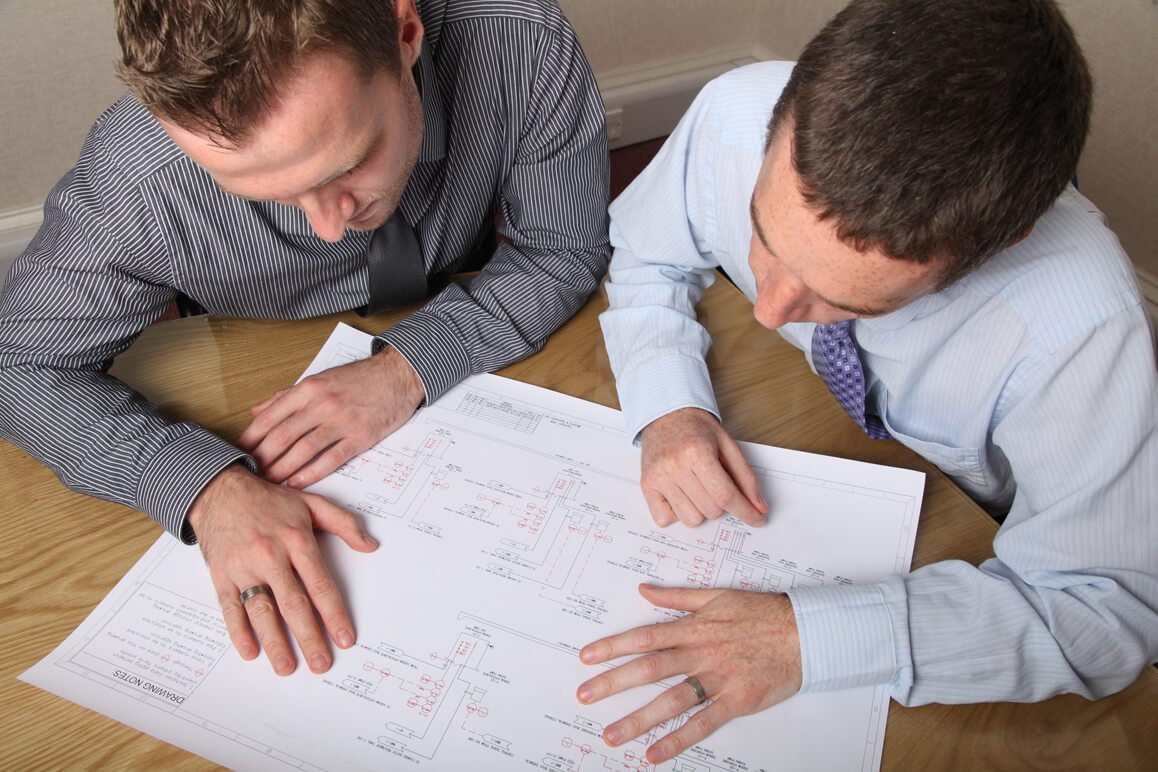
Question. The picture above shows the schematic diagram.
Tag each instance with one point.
(512, 532)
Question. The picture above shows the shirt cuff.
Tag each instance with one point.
(852, 635)
(429, 344)
(179, 472)
(664, 386)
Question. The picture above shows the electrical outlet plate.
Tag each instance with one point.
(614, 124)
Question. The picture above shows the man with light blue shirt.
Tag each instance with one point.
(898, 206)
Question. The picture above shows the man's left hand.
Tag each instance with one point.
(742, 646)
(301, 434)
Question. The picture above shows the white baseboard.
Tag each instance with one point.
(17, 227)
(646, 102)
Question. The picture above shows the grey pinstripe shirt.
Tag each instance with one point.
(513, 119)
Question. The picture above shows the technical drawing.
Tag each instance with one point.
(512, 532)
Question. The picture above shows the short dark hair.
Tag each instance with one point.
(217, 65)
(937, 129)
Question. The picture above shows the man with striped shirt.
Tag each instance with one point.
(269, 160)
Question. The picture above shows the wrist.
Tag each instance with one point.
(221, 486)
(401, 377)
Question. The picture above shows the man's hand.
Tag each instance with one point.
(255, 533)
(303, 433)
(742, 646)
(692, 469)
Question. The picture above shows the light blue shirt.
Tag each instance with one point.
(1031, 382)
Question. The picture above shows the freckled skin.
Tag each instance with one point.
(804, 273)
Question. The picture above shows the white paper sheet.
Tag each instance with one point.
(513, 532)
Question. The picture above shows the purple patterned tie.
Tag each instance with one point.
(837, 361)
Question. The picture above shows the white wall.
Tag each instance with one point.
(56, 75)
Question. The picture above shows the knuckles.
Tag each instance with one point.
(295, 603)
(643, 638)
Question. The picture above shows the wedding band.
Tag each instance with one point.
(257, 589)
(694, 682)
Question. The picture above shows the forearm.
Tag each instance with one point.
(503, 315)
(954, 633)
(102, 439)
(655, 345)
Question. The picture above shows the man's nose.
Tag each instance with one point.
(780, 301)
(327, 213)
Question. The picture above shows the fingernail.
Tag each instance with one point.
(247, 652)
(613, 736)
(586, 655)
(283, 666)
(371, 540)
(345, 639)
(585, 694)
(319, 663)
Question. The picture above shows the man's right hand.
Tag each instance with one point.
(693, 470)
(255, 533)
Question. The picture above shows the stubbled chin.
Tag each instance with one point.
(369, 223)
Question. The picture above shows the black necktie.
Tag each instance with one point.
(397, 273)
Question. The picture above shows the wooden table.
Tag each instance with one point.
(62, 553)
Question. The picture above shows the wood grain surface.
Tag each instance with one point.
(61, 552)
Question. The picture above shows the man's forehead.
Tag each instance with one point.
(320, 126)
(864, 281)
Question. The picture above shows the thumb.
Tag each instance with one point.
(333, 519)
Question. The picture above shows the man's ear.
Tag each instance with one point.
(410, 32)
(1022, 237)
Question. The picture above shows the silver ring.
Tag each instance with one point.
(257, 589)
(701, 695)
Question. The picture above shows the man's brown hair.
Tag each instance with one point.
(216, 66)
(937, 129)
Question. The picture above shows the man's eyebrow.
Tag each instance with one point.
(858, 310)
(346, 168)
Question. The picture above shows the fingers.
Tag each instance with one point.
(716, 494)
(640, 640)
(661, 511)
(642, 670)
(693, 470)
(321, 464)
(273, 412)
(324, 596)
(236, 619)
(262, 612)
(290, 603)
(256, 534)
(669, 704)
(698, 726)
(297, 461)
(737, 468)
(254, 625)
(333, 519)
(291, 444)
(679, 503)
(257, 409)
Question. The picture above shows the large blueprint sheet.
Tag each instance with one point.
(512, 533)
